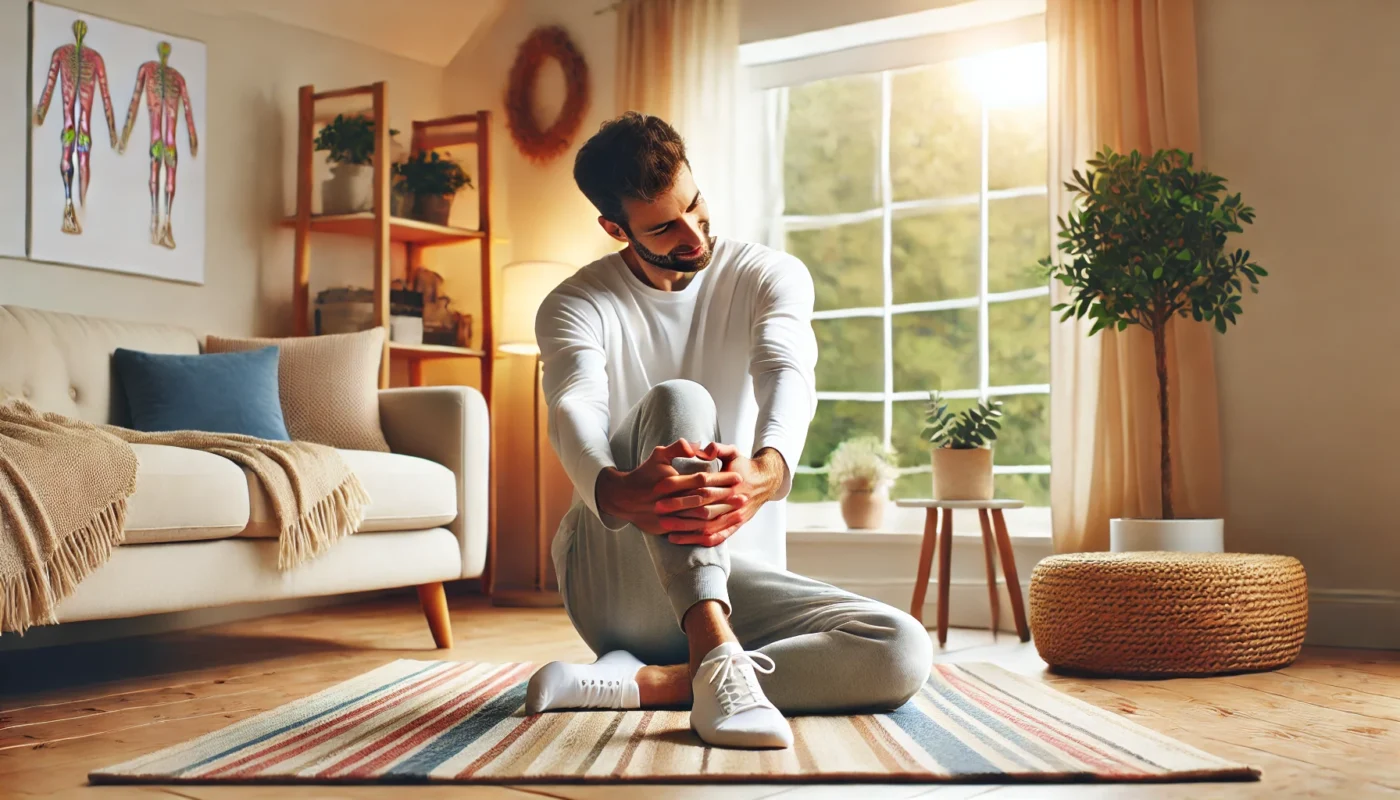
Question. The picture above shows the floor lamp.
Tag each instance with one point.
(524, 286)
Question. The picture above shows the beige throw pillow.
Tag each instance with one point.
(329, 385)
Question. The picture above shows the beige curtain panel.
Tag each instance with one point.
(1123, 74)
(679, 60)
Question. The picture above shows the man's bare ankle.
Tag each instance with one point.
(664, 687)
(706, 627)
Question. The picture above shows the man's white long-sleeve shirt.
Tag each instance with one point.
(742, 328)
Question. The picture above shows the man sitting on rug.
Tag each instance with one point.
(679, 375)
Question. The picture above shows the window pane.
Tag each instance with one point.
(850, 354)
(907, 430)
(1016, 146)
(1019, 341)
(831, 153)
(1033, 490)
(844, 262)
(935, 256)
(936, 350)
(837, 421)
(915, 485)
(1024, 439)
(1018, 236)
(935, 134)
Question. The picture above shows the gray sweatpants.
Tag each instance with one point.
(628, 590)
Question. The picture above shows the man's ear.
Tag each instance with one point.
(613, 229)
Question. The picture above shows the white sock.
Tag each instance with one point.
(609, 682)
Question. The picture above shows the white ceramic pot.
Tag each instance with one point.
(864, 509)
(349, 190)
(1174, 535)
(962, 474)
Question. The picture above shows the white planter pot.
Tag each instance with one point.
(349, 190)
(1175, 535)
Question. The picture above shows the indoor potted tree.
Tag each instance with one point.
(860, 473)
(962, 448)
(1146, 243)
(433, 181)
(349, 142)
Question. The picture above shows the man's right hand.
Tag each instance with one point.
(632, 496)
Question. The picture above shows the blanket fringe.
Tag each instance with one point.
(338, 515)
(32, 597)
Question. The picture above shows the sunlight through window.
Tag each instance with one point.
(1007, 78)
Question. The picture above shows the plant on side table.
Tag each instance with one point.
(962, 448)
(433, 181)
(1146, 243)
(349, 142)
(860, 473)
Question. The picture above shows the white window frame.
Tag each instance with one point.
(887, 63)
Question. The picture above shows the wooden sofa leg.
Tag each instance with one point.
(434, 601)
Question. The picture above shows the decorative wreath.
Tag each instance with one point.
(545, 43)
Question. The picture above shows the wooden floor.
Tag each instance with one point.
(1329, 726)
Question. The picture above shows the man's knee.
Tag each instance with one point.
(907, 658)
(683, 396)
(678, 409)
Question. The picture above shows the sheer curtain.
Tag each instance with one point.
(1123, 74)
(679, 60)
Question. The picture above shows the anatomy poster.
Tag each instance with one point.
(117, 158)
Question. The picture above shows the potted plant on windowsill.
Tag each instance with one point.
(350, 144)
(1146, 242)
(433, 181)
(962, 448)
(860, 472)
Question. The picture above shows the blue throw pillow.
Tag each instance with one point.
(215, 392)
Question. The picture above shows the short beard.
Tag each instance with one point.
(669, 262)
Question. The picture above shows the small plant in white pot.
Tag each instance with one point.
(860, 472)
(1146, 243)
(962, 448)
(349, 142)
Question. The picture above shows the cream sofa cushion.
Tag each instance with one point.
(406, 494)
(63, 362)
(184, 495)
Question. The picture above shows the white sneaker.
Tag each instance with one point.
(730, 709)
(609, 682)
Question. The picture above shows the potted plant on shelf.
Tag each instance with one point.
(962, 448)
(1146, 243)
(350, 144)
(860, 473)
(433, 181)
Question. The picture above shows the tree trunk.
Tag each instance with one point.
(1159, 347)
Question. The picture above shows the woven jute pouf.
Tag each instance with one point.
(1163, 614)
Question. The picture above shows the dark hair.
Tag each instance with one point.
(634, 157)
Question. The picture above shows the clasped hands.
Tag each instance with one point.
(703, 508)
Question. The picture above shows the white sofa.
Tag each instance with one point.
(197, 532)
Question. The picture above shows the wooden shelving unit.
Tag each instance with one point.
(382, 230)
(401, 229)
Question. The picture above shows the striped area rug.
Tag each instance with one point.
(460, 722)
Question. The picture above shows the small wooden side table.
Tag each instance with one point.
(944, 537)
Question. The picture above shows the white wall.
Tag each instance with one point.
(14, 118)
(541, 215)
(1300, 110)
(772, 19)
(255, 67)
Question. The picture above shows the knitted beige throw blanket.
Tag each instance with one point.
(64, 484)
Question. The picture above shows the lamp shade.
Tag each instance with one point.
(524, 285)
